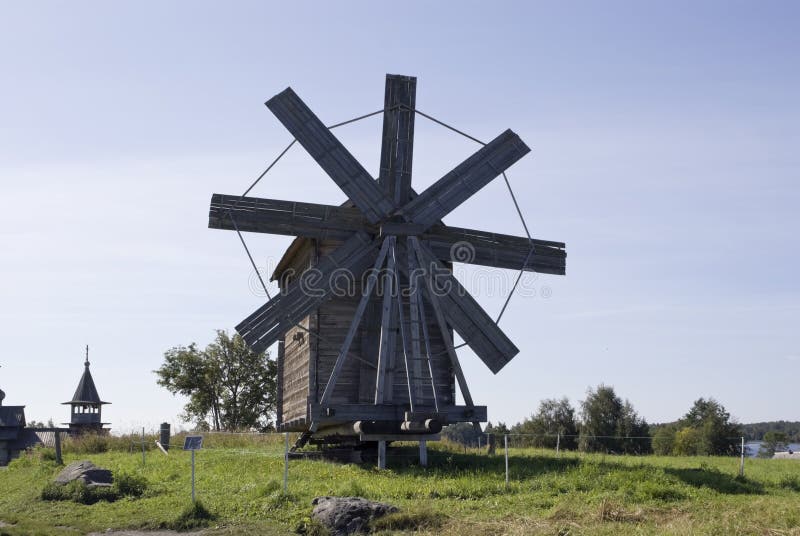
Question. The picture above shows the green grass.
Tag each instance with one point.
(240, 485)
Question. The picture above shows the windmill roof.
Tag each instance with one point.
(86, 393)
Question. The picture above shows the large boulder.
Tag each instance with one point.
(86, 472)
(348, 515)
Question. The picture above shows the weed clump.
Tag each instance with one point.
(407, 521)
(193, 517)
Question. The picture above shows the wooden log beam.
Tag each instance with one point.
(392, 412)
(351, 332)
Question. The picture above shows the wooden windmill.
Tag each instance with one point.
(367, 306)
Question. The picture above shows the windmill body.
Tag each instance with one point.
(368, 307)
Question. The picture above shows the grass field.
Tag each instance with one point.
(240, 483)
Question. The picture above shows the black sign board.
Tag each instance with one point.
(193, 442)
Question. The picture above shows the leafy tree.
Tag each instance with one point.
(773, 442)
(689, 441)
(462, 432)
(713, 432)
(664, 439)
(555, 417)
(610, 424)
(229, 387)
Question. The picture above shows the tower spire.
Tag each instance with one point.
(86, 363)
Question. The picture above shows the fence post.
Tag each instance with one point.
(558, 442)
(741, 464)
(286, 463)
(143, 455)
(505, 439)
(59, 461)
(192, 472)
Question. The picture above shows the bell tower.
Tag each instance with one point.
(86, 406)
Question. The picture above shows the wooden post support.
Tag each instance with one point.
(192, 473)
(381, 454)
(490, 444)
(505, 439)
(59, 460)
(286, 463)
(143, 452)
(423, 453)
(741, 463)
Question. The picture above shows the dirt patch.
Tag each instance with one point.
(143, 533)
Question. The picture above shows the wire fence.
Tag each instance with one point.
(509, 456)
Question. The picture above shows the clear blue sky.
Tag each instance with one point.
(665, 154)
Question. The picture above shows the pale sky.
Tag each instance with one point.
(664, 153)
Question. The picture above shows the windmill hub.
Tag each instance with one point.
(380, 363)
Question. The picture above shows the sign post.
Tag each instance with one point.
(193, 443)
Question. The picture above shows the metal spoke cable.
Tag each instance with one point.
(513, 198)
(229, 213)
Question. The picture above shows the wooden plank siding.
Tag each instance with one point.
(306, 361)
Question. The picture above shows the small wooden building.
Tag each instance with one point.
(307, 354)
(86, 406)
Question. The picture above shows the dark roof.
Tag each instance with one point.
(86, 393)
(12, 416)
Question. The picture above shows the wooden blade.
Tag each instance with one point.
(270, 321)
(253, 214)
(331, 155)
(464, 314)
(397, 145)
(496, 250)
(461, 183)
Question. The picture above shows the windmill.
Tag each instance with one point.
(377, 361)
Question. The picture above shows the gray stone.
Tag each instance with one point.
(87, 472)
(348, 515)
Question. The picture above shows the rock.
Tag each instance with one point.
(348, 515)
(87, 472)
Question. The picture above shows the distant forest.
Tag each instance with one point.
(755, 431)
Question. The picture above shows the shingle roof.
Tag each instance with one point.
(86, 393)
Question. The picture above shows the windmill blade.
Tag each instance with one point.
(291, 218)
(397, 143)
(330, 154)
(464, 314)
(461, 183)
(496, 250)
(270, 321)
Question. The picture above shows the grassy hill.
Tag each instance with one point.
(460, 493)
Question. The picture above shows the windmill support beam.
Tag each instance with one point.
(390, 412)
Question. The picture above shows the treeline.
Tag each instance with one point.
(757, 430)
(604, 422)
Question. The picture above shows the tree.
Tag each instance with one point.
(713, 433)
(664, 439)
(554, 418)
(773, 442)
(229, 387)
(610, 424)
